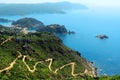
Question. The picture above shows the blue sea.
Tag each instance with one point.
(87, 24)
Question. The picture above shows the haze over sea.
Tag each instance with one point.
(87, 24)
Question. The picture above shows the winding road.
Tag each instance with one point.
(50, 60)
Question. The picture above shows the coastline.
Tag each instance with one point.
(94, 69)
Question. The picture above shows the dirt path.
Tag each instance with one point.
(8, 39)
(72, 64)
(34, 67)
(49, 66)
(50, 60)
(11, 65)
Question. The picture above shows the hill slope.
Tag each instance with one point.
(54, 61)
(37, 56)
(28, 23)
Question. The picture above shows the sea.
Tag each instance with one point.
(87, 24)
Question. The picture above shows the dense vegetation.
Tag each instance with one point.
(50, 8)
(28, 23)
(38, 47)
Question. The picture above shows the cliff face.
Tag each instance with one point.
(40, 56)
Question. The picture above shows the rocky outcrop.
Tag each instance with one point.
(102, 36)
(71, 32)
(53, 28)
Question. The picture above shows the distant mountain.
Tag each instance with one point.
(5, 20)
(50, 8)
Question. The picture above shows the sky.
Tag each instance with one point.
(89, 3)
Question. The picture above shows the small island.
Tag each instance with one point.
(71, 32)
(102, 37)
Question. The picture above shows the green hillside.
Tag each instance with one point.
(41, 56)
(20, 54)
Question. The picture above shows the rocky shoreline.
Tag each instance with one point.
(94, 71)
